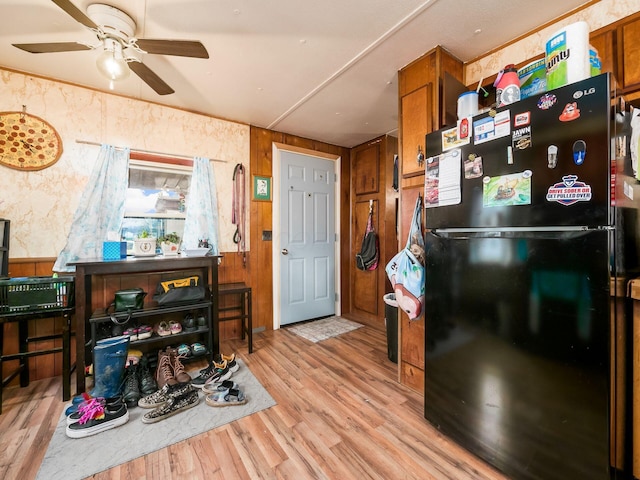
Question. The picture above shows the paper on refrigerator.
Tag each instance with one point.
(442, 179)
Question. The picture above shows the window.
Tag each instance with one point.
(156, 198)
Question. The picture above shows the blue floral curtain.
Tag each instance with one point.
(201, 220)
(101, 208)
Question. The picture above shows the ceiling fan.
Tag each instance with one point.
(115, 32)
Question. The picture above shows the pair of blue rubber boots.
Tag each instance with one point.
(109, 361)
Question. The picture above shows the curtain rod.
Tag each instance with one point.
(138, 150)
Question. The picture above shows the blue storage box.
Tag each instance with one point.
(114, 250)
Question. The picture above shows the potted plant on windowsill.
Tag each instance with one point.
(144, 245)
(169, 243)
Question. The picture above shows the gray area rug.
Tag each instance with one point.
(69, 459)
(318, 330)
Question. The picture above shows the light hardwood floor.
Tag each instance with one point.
(340, 414)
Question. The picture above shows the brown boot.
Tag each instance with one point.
(164, 372)
(178, 369)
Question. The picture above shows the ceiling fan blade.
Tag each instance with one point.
(51, 47)
(180, 48)
(150, 78)
(76, 13)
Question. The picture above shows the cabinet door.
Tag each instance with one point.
(366, 170)
(416, 122)
(603, 43)
(628, 52)
(365, 283)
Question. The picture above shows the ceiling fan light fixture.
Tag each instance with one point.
(111, 62)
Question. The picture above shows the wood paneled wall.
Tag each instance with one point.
(260, 268)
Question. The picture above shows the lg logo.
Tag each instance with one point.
(581, 93)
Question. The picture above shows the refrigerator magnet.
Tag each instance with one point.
(579, 152)
(507, 190)
(552, 156)
(521, 138)
(570, 112)
(473, 167)
(522, 119)
(569, 191)
(547, 101)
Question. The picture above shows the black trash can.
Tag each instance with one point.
(391, 320)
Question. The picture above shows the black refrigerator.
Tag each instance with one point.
(531, 231)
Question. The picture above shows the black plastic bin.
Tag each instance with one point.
(391, 320)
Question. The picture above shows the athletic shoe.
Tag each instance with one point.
(163, 329)
(221, 374)
(198, 349)
(219, 386)
(183, 350)
(76, 415)
(98, 420)
(173, 405)
(160, 397)
(189, 323)
(215, 372)
(132, 333)
(144, 331)
(175, 327)
(201, 321)
(230, 359)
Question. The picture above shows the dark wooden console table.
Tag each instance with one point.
(86, 269)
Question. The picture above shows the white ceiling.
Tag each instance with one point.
(325, 70)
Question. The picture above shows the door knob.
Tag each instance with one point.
(284, 251)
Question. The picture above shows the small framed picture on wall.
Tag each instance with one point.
(262, 188)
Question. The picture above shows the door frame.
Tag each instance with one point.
(276, 218)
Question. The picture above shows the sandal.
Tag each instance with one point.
(226, 398)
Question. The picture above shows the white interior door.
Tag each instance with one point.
(307, 237)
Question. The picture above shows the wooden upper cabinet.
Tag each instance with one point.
(416, 122)
(628, 53)
(603, 43)
(367, 170)
(427, 88)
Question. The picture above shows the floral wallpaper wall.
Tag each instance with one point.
(41, 204)
(598, 15)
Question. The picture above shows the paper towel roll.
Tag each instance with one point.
(567, 55)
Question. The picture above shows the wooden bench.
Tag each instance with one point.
(245, 315)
